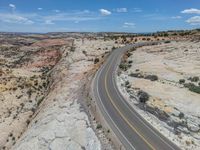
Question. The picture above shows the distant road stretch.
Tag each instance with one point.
(132, 130)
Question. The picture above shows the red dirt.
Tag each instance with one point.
(51, 42)
(45, 58)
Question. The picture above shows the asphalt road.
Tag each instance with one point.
(132, 130)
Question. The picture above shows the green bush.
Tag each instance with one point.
(192, 87)
(96, 60)
(127, 83)
(132, 49)
(113, 48)
(130, 61)
(195, 89)
(194, 79)
(181, 115)
(167, 42)
(128, 54)
(72, 49)
(152, 77)
(143, 96)
(136, 75)
(181, 81)
(123, 66)
(99, 126)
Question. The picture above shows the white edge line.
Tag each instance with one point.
(97, 75)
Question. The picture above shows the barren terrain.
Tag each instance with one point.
(169, 73)
(44, 103)
(42, 85)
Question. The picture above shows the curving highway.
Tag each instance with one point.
(132, 130)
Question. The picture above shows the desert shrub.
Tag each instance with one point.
(188, 85)
(143, 96)
(29, 93)
(152, 77)
(194, 79)
(133, 49)
(14, 89)
(84, 52)
(127, 83)
(128, 54)
(18, 97)
(11, 134)
(36, 83)
(195, 89)
(181, 115)
(96, 60)
(99, 126)
(33, 110)
(192, 87)
(113, 48)
(72, 49)
(136, 75)
(167, 42)
(181, 81)
(22, 104)
(130, 61)
(143, 39)
(44, 84)
(187, 142)
(123, 66)
(165, 34)
(28, 122)
(137, 70)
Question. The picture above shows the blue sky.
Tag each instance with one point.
(98, 15)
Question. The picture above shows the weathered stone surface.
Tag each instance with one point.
(60, 122)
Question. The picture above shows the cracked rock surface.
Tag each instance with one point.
(61, 122)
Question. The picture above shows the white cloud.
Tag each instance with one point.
(14, 18)
(194, 20)
(49, 22)
(12, 6)
(50, 19)
(191, 11)
(86, 11)
(129, 25)
(56, 10)
(137, 10)
(121, 10)
(105, 12)
(76, 17)
(40, 8)
(176, 17)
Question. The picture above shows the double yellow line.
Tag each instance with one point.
(121, 114)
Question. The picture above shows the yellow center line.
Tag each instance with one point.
(125, 119)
